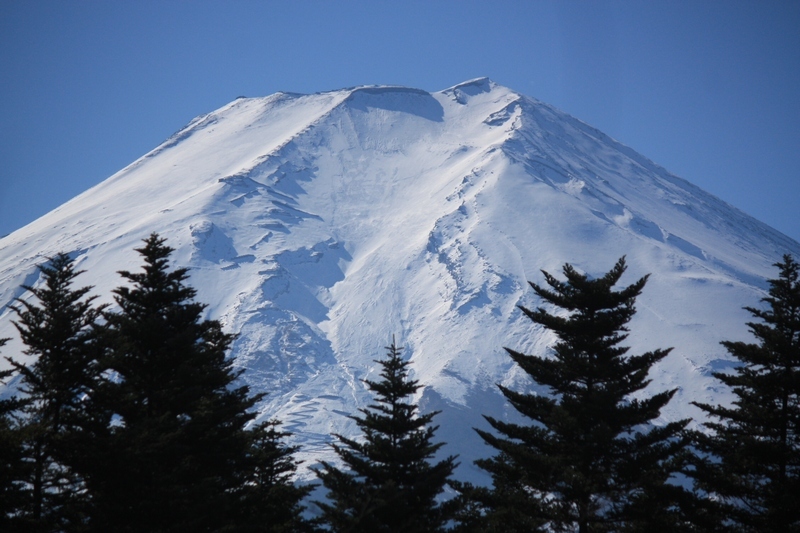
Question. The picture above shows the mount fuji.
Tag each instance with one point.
(317, 226)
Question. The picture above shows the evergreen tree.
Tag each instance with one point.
(590, 461)
(58, 331)
(177, 453)
(751, 455)
(13, 469)
(268, 501)
(391, 484)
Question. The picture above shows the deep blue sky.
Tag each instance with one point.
(710, 90)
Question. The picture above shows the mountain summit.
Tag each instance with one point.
(316, 226)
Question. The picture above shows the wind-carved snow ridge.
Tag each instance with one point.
(451, 244)
(462, 92)
(315, 226)
(211, 243)
(410, 101)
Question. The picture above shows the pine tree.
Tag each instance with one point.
(590, 461)
(751, 455)
(177, 453)
(391, 484)
(58, 331)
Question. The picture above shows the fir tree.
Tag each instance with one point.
(589, 461)
(751, 462)
(58, 331)
(268, 500)
(13, 471)
(177, 453)
(391, 484)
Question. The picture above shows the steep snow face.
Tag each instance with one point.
(316, 226)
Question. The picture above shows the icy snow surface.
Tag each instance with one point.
(316, 226)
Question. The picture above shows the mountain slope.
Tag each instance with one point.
(316, 226)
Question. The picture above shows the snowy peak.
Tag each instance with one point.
(462, 92)
(315, 226)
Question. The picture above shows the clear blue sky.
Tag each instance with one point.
(708, 89)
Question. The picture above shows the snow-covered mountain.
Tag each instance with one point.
(316, 226)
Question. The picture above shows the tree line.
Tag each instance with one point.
(133, 419)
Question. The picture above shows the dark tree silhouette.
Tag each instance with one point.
(58, 330)
(13, 471)
(268, 500)
(590, 461)
(177, 456)
(751, 455)
(391, 483)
